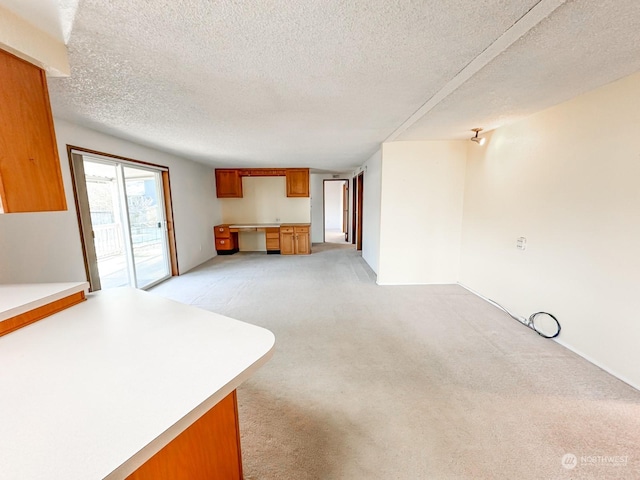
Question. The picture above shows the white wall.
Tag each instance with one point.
(566, 179)
(316, 182)
(45, 247)
(421, 211)
(371, 209)
(30, 43)
(333, 205)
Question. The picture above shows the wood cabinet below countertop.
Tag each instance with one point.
(294, 239)
(286, 239)
(225, 240)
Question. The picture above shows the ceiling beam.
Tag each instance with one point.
(533, 17)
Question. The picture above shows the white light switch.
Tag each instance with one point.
(521, 243)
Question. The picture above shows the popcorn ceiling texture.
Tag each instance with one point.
(582, 46)
(322, 83)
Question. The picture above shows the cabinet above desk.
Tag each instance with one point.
(229, 181)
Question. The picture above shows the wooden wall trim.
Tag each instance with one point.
(14, 323)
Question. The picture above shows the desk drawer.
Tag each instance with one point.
(302, 229)
(221, 231)
(286, 229)
(225, 244)
(273, 243)
(273, 235)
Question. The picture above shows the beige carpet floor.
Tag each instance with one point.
(407, 382)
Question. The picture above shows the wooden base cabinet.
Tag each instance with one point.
(226, 241)
(207, 450)
(272, 239)
(294, 240)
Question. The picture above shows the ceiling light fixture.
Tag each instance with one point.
(476, 138)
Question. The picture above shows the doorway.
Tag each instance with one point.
(358, 207)
(122, 209)
(336, 211)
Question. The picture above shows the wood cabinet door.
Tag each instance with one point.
(297, 182)
(207, 450)
(287, 245)
(30, 178)
(302, 243)
(228, 183)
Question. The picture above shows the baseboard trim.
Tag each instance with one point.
(568, 346)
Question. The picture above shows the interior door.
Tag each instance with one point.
(345, 210)
(359, 208)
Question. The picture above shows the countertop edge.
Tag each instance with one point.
(70, 289)
(149, 450)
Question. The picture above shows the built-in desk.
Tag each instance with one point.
(284, 238)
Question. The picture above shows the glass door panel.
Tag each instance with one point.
(103, 193)
(147, 225)
(128, 224)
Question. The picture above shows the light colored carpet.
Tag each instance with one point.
(407, 382)
(334, 236)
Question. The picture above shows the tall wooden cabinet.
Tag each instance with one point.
(294, 240)
(30, 176)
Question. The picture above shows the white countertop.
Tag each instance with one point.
(94, 391)
(254, 225)
(16, 299)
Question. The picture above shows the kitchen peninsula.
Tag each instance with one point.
(126, 385)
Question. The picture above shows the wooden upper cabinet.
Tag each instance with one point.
(229, 180)
(228, 183)
(297, 182)
(30, 176)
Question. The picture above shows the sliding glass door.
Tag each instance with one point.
(128, 224)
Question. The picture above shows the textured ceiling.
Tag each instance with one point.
(582, 46)
(322, 83)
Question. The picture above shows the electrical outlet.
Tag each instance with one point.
(521, 243)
